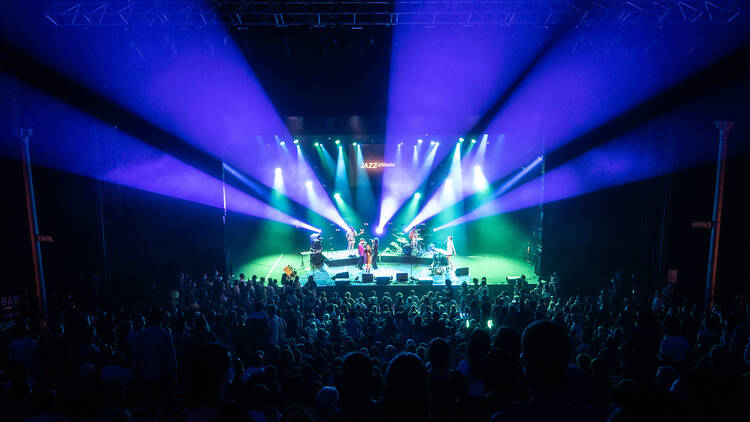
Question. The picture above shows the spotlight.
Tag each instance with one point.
(296, 141)
(282, 143)
(354, 144)
(317, 144)
(460, 140)
(417, 195)
(338, 141)
(419, 141)
(437, 143)
(432, 142)
(277, 170)
(308, 184)
(473, 141)
(337, 196)
(379, 230)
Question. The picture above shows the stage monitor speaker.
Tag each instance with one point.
(463, 271)
(367, 278)
(402, 277)
(342, 282)
(426, 282)
(345, 274)
(382, 281)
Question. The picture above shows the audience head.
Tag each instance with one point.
(406, 390)
(546, 349)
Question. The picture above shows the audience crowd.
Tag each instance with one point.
(216, 349)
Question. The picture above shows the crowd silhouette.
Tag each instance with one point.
(237, 349)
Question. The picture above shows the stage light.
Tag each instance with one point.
(460, 140)
(379, 230)
(480, 181)
(473, 141)
(417, 195)
(419, 141)
(308, 184)
(277, 170)
(337, 142)
(432, 142)
(489, 324)
(317, 144)
(296, 141)
(282, 143)
(354, 144)
(337, 196)
(437, 143)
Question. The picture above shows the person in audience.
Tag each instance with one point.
(545, 355)
(405, 391)
(156, 362)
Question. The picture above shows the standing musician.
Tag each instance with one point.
(450, 251)
(375, 244)
(316, 250)
(351, 239)
(361, 250)
(368, 258)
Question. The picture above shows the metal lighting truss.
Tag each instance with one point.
(356, 14)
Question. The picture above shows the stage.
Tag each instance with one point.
(495, 267)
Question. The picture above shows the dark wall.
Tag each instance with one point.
(143, 238)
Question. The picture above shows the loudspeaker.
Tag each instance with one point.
(402, 277)
(367, 278)
(343, 282)
(462, 271)
(426, 282)
(345, 274)
(383, 281)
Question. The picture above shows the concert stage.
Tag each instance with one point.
(495, 267)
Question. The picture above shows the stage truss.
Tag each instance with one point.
(357, 14)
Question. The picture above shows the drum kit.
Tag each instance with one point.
(406, 247)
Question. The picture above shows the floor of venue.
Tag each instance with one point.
(495, 267)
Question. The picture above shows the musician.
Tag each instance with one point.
(374, 246)
(316, 250)
(351, 239)
(361, 250)
(450, 250)
(368, 258)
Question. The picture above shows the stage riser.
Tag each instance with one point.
(342, 262)
(405, 259)
(392, 259)
(420, 290)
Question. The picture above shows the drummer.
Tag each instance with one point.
(414, 238)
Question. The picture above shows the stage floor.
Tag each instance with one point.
(494, 267)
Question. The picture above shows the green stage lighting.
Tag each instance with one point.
(338, 141)
(473, 141)
(296, 141)
(317, 144)
(337, 196)
(417, 195)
